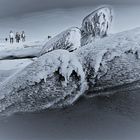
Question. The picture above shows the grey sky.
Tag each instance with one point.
(17, 7)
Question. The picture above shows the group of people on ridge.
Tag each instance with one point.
(17, 37)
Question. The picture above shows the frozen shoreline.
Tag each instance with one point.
(101, 118)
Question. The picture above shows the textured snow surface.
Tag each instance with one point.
(112, 61)
(68, 40)
(56, 79)
(21, 50)
(66, 68)
(96, 24)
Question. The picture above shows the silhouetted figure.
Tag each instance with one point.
(23, 36)
(11, 36)
(49, 37)
(6, 39)
(17, 37)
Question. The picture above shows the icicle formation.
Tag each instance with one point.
(98, 22)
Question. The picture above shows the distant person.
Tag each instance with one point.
(49, 37)
(23, 36)
(6, 39)
(17, 37)
(11, 36)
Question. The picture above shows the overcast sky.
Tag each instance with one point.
(17, 7)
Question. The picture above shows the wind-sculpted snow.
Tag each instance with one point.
(68, 40)
(56, 79)
(96, 24)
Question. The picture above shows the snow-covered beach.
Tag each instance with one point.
(54, 78)
(84, 59)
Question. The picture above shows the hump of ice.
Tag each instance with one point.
(112, 63)
(98, 22)
(68, 40)
(56, 79)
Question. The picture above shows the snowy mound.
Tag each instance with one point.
(68, 40)
(56, 79)
(98, 23)
(113, 61)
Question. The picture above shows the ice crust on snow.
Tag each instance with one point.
(98, 22)
(68, 40)
(96, 25)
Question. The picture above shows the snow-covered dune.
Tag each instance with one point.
(59, 78)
